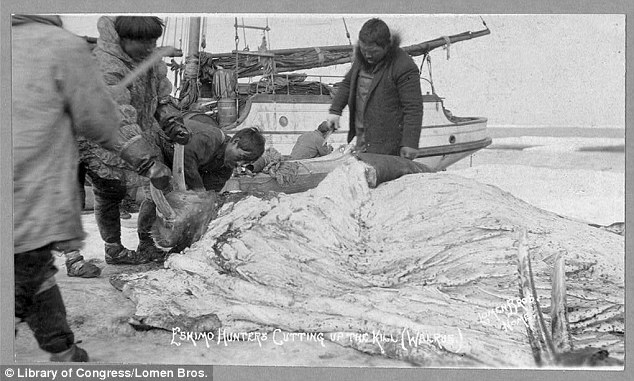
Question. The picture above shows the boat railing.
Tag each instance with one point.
(263, 83)
(266, 84)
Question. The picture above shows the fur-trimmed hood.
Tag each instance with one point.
(109, 39)
(392, 109)
(395, 43)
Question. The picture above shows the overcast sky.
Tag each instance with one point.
(531, 71)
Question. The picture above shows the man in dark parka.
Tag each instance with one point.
(382, 92)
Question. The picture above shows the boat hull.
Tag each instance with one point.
(445, 139)
(283, 118)
(311, 172)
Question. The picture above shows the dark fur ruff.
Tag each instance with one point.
(395, 43)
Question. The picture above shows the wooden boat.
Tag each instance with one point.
(446, 146)
(308, 174)
(445, 141)
(284, 106)
(302, 175)
(282, 118)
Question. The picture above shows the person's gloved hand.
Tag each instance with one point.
(333, 121)
(159, 175)
(409, 153)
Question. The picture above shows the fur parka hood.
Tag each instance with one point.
(395, 44)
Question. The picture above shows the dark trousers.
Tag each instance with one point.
(44, 312)
(147, 216)
(81, 177)
(108, 197)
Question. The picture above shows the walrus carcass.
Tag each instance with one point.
(423, 268)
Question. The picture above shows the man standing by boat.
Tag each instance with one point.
(312, 144)
(382, 92)
(123, 43)
(57, 93)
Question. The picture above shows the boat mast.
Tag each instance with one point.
(178, 169)
(194, 36)
(190, 90)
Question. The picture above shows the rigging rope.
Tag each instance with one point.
(180, 43)
(203, 40)
(175, 29)
(244, 35)
(431, 80)
(347, 32)
(266, 32)
(167, 20)
(198, 65)
(237, 38)
(191, 67)
(185, 31)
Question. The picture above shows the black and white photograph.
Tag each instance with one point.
(358, 190)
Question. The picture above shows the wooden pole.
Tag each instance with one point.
(178, 170)
(194, 36)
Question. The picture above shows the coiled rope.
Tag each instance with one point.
(191, 67)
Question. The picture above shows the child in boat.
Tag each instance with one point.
(313, 144)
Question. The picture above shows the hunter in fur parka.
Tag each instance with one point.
(137, 104)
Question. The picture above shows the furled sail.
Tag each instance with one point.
(287, 60)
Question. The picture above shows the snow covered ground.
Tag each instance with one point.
(581, 178)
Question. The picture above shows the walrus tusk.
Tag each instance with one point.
(559, 311)
(178, 168)
(162, 206)
(538, 337)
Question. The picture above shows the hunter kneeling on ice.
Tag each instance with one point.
(211, 155)
(207, 163)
